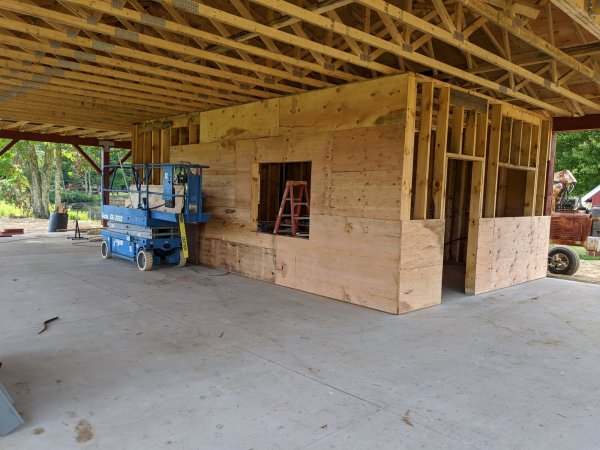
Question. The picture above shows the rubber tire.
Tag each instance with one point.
(572, 257)
(105, 251)
(182, 261)
(144, 260)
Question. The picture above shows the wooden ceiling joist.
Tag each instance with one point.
(110, 63)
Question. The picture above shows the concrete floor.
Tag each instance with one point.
(197, 359)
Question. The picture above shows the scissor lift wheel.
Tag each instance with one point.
(105, 250)
(144, 260)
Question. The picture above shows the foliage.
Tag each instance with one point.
(8, 210)
(26, 175)
(583, 254)
(74, 214)
(78, 215)
(70, 197)
(579, 152)
(14, 187)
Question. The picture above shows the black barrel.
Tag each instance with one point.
(58, 221)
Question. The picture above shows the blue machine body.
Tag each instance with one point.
(141, 227)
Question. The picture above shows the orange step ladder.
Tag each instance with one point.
(296, 194)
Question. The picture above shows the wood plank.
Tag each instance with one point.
(542, 167)
(491, 183)
(458, 123)
(408, 145)
(251, 120)
(423, 152)
(440, 165)
(516, 144)
(365, 104)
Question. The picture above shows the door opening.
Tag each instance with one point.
(458, 195)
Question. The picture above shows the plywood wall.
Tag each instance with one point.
(370, 175)
(512, 250)
(354, 137)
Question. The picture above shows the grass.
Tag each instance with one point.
(583, 256)
(78, 215)
(11, 211)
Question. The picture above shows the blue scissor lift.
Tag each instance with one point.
(150, 229)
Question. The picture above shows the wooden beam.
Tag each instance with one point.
(449, 38)
(491, 184)
(543, 166)
(229, 85)
(170, 46)
(8, 146)
(517, 28)
(195, 8)
(196, 33)
(440, 162)
(407, 53)
(128, 70)
(408, 147)
(424, 152)
(55, 138)
(87, 158)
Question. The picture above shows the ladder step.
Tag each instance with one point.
(304, 218)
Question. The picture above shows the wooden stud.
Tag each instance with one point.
(492, 161)
(423, 152)
(516, 147)
(408, 147)
(458, 123)
(440, 164)
(542, 166)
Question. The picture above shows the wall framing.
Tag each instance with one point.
(379, 151)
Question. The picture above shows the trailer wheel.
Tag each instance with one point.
(563, 261)
(182, 260)
(105, 251)
(144, 260)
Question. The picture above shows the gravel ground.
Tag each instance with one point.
(589, 272)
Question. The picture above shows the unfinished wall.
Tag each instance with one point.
(360, 250)
(512, 250)
(378, 179)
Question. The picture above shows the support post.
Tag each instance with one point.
(550, 175)
(8, 146)
(106, 146)
(87, 157)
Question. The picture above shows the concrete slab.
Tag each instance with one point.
(195, 358)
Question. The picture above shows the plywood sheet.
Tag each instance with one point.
(374, 194)
(366, 104)
(367, 149)
(511, 250)
(243, 259)
(251, 120)
(349, 259)
(421, 264)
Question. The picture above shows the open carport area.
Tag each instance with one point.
(196, 358)
(340, 210)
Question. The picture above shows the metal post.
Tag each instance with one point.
(106, 146)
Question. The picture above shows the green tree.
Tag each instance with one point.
(39, 159)
(14, 187)
(579, 152)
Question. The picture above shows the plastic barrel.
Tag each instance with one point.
(57, 222)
